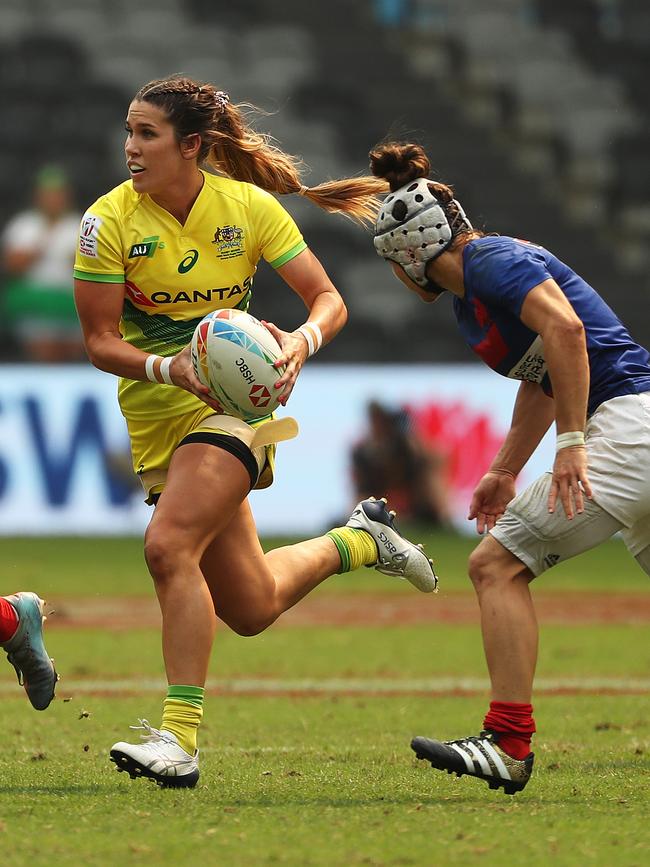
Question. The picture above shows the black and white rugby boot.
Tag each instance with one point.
(396, 555)
(477, 757)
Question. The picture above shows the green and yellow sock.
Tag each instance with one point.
(356, 548)
(182, 714)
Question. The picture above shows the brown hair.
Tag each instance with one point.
(402, 162)
(233, 148)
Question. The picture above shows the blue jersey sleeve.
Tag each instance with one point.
(503, 273)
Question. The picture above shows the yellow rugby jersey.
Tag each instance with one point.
(174, 275)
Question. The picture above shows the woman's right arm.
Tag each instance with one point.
(532, 416)
(99, 306)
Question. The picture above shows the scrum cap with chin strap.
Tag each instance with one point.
(414, 227)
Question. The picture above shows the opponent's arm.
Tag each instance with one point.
(99, 307)
(547, 311)
(532, 416)
(327, 312)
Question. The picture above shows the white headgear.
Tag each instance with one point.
(413, 227)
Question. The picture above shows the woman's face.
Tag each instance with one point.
(401, 274)
(154, 156)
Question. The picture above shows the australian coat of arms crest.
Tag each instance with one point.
(229, 241)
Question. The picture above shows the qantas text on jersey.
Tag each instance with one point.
(187, 295)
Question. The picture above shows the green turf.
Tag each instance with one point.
(401, 651)
(322, 779)
(325, 782)
(116, 566)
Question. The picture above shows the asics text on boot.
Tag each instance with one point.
(397, 556)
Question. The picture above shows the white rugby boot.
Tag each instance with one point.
(397, 556)
(160, 757)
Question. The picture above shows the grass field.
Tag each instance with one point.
(305, 746)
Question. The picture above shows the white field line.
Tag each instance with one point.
(263, 686)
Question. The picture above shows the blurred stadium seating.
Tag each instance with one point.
(537, 111)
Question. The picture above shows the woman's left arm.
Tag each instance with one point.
(327, 315)
(547, 311)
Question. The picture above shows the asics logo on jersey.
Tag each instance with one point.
(188, 262)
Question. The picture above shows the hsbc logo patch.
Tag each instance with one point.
(88, 235)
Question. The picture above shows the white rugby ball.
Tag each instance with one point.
(233, 354)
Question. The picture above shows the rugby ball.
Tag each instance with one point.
(233, 354)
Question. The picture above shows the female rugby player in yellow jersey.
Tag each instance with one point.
(155, 255)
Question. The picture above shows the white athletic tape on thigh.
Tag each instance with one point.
(276, 431)
(267, 434)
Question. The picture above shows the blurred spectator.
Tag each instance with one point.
(392, 13)
(38, 247)
(393, 461)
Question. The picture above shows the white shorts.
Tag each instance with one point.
(618, 450)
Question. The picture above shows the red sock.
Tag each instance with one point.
(8, 620)
(514, 724)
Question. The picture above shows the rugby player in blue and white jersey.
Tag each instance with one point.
(529, 317)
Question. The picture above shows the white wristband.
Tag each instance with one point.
(165, 364)
(148, 367)
(570, 438)
(313, 335)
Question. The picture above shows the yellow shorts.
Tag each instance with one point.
(153, 442)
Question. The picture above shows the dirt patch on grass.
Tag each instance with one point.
(364, 609)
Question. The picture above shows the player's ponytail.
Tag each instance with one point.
(399, 163)
(232, 147)
(242, 153)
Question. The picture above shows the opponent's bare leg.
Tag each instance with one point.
(508, 620)
(501, 753)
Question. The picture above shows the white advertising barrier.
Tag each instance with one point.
(64, 449)
(62, 439)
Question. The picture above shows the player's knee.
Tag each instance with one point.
(162, 555)
(248, 624)
(482, 568)
(493, 566)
